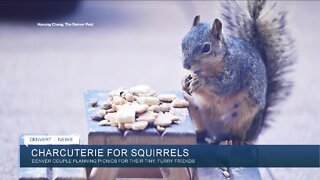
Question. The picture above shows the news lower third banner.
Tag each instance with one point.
(169, 155)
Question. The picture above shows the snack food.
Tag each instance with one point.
(104, 123)
(148, 116)
(149, 100)
(139, 125)
(136, 108)
(126, 114)
(167, 97)
(179, 103)
(161, 129)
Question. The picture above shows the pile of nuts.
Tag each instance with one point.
(137, 107)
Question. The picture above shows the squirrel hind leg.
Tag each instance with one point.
(238, 120)
(256, 126)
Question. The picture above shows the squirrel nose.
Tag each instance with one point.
(186, 65)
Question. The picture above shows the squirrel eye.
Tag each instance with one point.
(206, 48)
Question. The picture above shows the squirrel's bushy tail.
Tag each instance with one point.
(267, 33)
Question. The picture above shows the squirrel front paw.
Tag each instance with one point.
(196, 83)
(186, 84)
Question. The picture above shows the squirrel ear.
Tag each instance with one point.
(217, 29)
(196, 20)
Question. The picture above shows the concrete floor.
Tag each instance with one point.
(44, 71)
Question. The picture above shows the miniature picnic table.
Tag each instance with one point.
(182, 133)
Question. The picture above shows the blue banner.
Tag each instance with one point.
(169, 156)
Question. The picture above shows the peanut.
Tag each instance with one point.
(97, 117)
(165, 108)
(129, 97)
(154, 108)
(149, 100)
(139, 125)
(160, 108)
(101, 112)
(161, 129)
(171, 117)
(104, 123)
(152, 93)
(162, 120)
(178, 103)
(141, 108)
(140, 90)
(167, 97)
(148, 116)
(105, 105)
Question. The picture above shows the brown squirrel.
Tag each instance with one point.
(236, 78)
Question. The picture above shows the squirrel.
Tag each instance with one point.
(236, 78)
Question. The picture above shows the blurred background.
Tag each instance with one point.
(44, 71)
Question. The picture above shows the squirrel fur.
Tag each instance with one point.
(236, 78)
